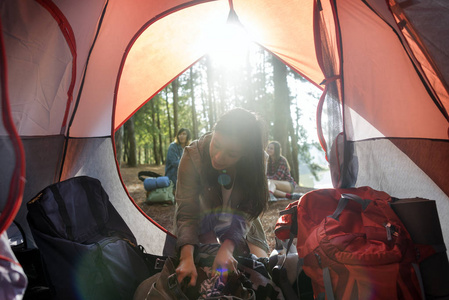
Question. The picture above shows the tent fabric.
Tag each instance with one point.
(380, 79)
(78, 70)
(423, 24)
(43, 62)
(12, 156)
(96, 157)
(43, 159)
(114, 42)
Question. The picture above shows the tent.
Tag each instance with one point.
(74, 71)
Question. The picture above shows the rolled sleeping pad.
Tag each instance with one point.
(151, 184)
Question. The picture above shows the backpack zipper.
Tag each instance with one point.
(391, 231)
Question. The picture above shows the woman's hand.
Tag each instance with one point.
(224, 261)
(186, 267)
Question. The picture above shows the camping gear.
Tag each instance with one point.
(159, 188)
(286, 271)
(86, 247)
(252, 281)
(161, 195)
(382, 66)
(255, 269)
(164, 286)
(353, 246)
(151, 184)
(420, 217)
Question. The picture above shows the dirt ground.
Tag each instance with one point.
(163, 214)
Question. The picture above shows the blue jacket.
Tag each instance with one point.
(174, 154)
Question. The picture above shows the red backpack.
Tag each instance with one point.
(352, 245)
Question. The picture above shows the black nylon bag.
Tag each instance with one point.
(87, 249)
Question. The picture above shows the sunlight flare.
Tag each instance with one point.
(228, 44)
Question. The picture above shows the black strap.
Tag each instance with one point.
(172, 280)
(294, 212)
(22, 232)
(93, 208)
(291, 210)
(344, 199)
(174, 286)
(287, 289)
(104, 270)
(293, 227)
(143, 174)
(62, 211)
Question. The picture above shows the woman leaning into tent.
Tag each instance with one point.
(222, 191)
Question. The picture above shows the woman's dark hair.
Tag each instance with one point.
(273, 165)
(189, 136)
(250, 130)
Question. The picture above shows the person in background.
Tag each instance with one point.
(222, 191)
(280, 182)
(174, 154)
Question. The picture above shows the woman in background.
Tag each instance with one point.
(280, 181)
(174, 154)
(222, 191)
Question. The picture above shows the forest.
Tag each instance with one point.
(249, 77)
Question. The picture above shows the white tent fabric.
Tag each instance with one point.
(40, 65)
(77, 70)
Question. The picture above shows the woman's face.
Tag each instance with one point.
(270, 150)
(224, 151)
(182, 137)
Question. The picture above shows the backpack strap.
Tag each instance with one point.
(421, 284)
(93, 208)
(294, 224)
(328, 284)
(344, 200)
(62, 211)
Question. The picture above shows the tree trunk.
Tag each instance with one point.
(170, 134)
(139, 155)
(294, 153)
(131, 137)
(249, 86)
(204, 98)
(161, 154)
(118, 136)
(281, 102)
(282, 116)
(154, 136)
(210, 87)
(175, 88)
(147, 157)
(192, 95)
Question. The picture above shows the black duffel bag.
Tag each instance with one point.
(87, 249)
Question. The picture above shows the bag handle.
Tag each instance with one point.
(344, 200)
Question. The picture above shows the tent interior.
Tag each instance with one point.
(74, 72)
